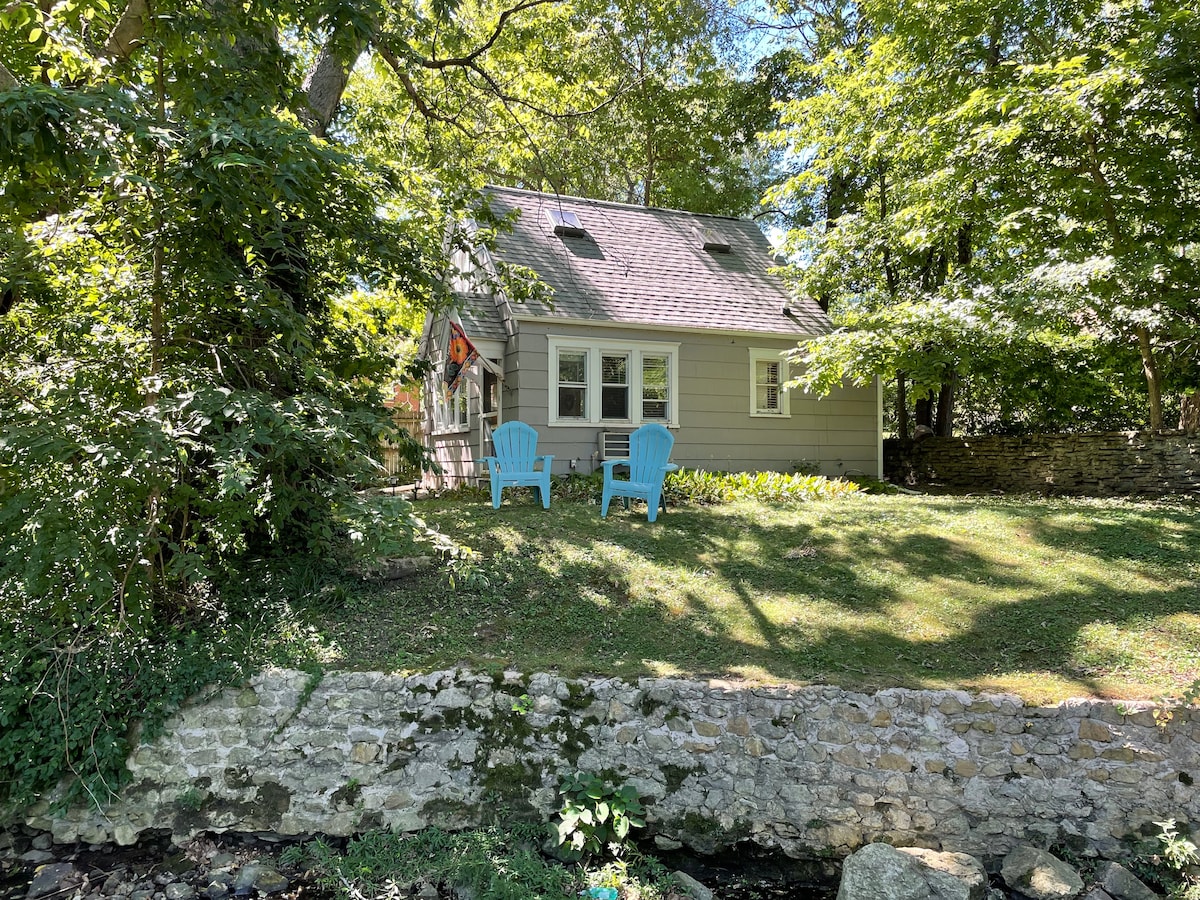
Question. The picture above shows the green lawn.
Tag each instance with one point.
(1045, 598)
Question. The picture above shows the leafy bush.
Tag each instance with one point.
(65, 705)
(578, 488)
(595, 819)
(76, 698)
(701, 487)
(186, 383)
(1170, 864)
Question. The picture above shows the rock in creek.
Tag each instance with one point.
(883, 872)
(1039, 875)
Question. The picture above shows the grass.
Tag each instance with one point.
(502, 863)
(1044, 598)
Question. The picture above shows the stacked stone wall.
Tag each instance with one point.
(1102, 464)
(804, 770)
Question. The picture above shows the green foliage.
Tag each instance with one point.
(639, 102)
(701, 487)
(1178, 850)
(199, 304)
(595, 818)
(522, 705)
(1171, 863)
(982, 185)
(190, 800)
(497, 863)
(76, 698)
(578, 488)
(1168, 706)
(65, 700)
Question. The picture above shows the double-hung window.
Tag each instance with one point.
(656, 387)
(614, 386)
(617, 382)
(572, 366)
(768, 375)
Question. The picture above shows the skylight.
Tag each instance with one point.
(565, 222)
(711, 241)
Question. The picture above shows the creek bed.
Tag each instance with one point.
(154, 869)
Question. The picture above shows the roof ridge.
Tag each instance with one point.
(635, 207)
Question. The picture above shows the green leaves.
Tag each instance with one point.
(189, 381)
(1025, 161)
(595, 819)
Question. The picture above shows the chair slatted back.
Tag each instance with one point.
(649, 450)
(516, 446)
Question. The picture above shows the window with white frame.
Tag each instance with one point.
(618, 382)
(450, 411)
(656, 387)
(572, 365)
(768, 374)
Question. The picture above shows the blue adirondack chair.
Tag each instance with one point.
(515, 462)
(649, 450)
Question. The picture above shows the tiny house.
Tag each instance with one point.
(653, 315)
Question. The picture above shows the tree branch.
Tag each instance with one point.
(414, 95)
(486, 46)
(127, 34)
(8, 80)
(498, 92)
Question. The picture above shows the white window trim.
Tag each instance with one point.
(758, 355)
(443, 406)
(635, 350)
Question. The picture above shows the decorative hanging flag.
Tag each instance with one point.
(460, 355)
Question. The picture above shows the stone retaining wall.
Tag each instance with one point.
(806, 770)
(1117, 463)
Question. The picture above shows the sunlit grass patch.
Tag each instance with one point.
(1047, 598)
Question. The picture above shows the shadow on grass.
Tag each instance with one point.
(562, 589)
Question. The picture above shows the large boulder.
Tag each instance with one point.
(1039, 875)
(884, 872)
(1121, 884)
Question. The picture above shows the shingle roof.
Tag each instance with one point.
(481, 318)
(645, 266)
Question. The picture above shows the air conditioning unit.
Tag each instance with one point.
(614, 444)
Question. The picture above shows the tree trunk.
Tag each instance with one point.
(902, 407)
(893, 281)
(924, 412)
(1153, 382)
(944, 427)
(648, 184)
(1189, 412)
(323, 88)
(127, 34)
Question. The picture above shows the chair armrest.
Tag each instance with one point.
(670, 467)
(546, 460)
(609, 464)
(491, 461)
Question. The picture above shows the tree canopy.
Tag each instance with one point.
(983, 184)
(216, 221)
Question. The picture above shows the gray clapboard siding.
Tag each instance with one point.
(716, 428)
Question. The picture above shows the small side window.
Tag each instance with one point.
(768, 374)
